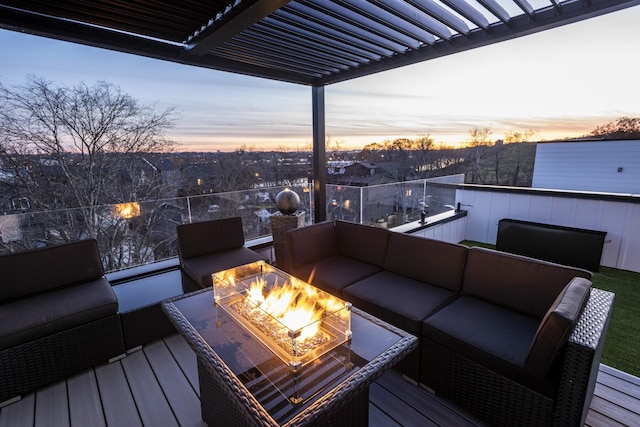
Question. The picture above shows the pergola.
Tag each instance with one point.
(308, 42)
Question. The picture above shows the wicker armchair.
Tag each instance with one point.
(58, 316)
(210, 246)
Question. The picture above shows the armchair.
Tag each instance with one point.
(58, 316)
(210, 246)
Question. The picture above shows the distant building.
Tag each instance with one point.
(363, 174)
(588, 165)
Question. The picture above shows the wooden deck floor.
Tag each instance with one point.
(158, 386)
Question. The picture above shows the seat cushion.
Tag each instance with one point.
(399, 300)
(334, 273)
(478, 329)
(200, 269)
(490, 335)
(44, 314)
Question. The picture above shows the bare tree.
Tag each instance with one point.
(517, 136)
(479, 143)
(84, 148)
(624, 127)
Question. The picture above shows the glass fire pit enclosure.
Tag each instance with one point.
(295, 320)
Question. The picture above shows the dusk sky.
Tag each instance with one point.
(560, 83)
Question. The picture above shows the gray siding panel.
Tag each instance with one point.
(589, 166)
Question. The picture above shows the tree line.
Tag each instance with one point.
(71, 153)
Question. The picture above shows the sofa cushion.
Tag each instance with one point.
(201, 268)
(334, 273)
(490, 335)
(432, 261)
(524, 284)
(556, 326)
(44, 314)
(51, 267)
(362, 242)
(310, 244)
(476, 328)
(202, 238)
(399, 300)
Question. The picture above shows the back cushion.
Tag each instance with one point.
(202, 238)
(556, 326)
(362, 242)
(310, 244)
(432, 261)
(524, 284)
(51, 267)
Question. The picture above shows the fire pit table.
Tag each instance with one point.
(245, 381)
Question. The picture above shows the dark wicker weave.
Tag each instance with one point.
(582, 361)
(40, 362)
(501, 401)
(226, 401)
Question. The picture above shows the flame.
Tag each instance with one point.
(296, 305)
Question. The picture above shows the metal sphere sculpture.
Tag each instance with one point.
(287, 202)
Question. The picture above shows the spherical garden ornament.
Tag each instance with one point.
(287, 202)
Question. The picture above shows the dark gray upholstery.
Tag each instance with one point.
(508, 313)
(210, 246)
(206, 237)
(51, 267)
(363, 243)
(431, 261)
(334, 273)
(200, 268)
(307, 245)
(493, 336)
(44, 314)
(318, 255)
(399, 300)
(514, 316)
(556, 326)
(523, 284)
(58, 316)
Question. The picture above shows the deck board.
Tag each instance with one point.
(419, 400)
(147, 393)
(396, 409)
(85, 407)
(377, 418)
(20, 413)
(186, 359)
(52, 406)
(159, 385)
(181, 396)
(596, 419)
(117, 400)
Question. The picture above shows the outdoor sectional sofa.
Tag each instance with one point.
(515, 340)
(58, 316)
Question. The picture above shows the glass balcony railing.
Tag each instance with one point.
(137, 233)
(395, 204)
(142, 232)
